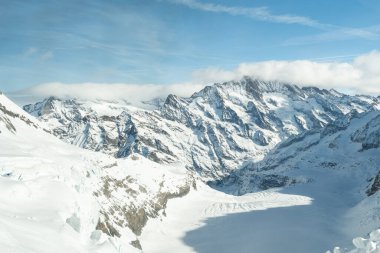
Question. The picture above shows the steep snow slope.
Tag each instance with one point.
(59, 198)
(213, 132)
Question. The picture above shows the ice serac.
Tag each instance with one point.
(212, 132)
(363, 245)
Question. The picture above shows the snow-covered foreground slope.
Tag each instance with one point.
(59, 198)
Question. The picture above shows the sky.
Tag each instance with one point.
(169, 43)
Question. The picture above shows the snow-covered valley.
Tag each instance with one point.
(238, 167)
(309, 217)
(210, 225)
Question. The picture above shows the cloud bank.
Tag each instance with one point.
(131, 93)
(359, 76)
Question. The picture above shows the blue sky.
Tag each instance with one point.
(167, 41)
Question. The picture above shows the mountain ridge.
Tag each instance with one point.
(223, 123)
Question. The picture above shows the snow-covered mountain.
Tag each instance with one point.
(348, 144)
(56, 197)
(213, 132)
(60, 198)
(338, 166)
(300, 165)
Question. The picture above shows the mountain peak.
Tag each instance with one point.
(255, 88)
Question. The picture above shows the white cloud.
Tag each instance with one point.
(47, 55)
(38, 54)
(362, 75)
(260, 13)
(337, 34)
(30, 51)
(132, 93)
(330, 31)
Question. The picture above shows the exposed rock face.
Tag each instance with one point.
(6, 113)
(239, 183)
(119, 210)
(213, 132)
(369, 135)
(375, 185)
(136, 244)
(10, 112)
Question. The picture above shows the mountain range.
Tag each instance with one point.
(213, 132)
(261, 159)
